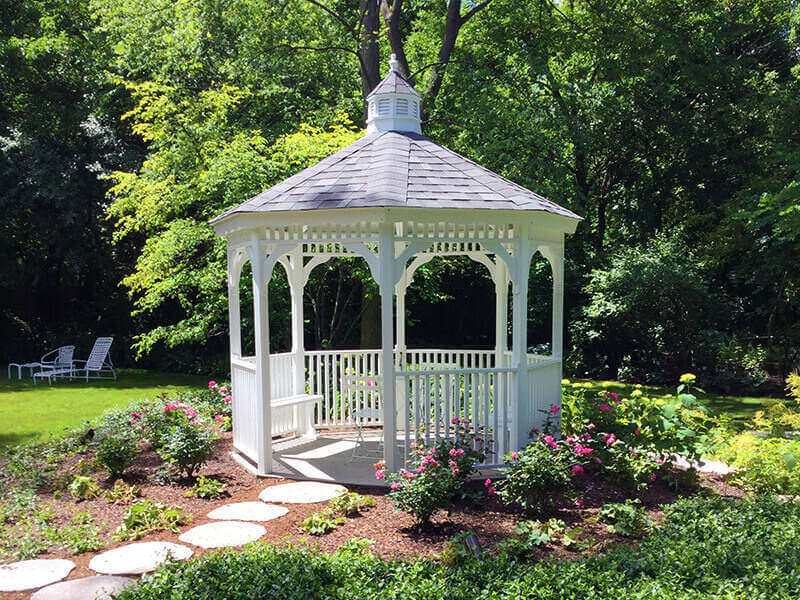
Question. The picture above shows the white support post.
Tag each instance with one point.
(500, 277)
(557, 266)
(297, 282)
(386, 286)
(234, 305)
(261, 320)
(521, 399)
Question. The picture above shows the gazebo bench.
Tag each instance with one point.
(294, 414)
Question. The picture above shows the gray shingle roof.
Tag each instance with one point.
(394, 83)
(396, 169)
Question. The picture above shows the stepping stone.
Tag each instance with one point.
(301, 492)
(138, 558)
(248, 511)
(29, 574)
(98, 587)
(223, 534)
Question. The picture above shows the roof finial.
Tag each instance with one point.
(394, 64)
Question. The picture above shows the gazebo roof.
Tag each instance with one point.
(394, 83)
(396, 169)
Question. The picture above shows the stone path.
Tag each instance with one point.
(301, 492)
(30, 574)
(248, 511)
(232, 527)
(138, 558)
(223, 534)
(98, 587)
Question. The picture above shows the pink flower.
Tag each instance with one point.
(456, 452)
(548, 439)
(223, 390)
(659, 461)
(577, 469)
(554, 408)
(598, 461)
(590, 426)
(579, 502)
(464, 421)
(219, 418)
(610, 439)
(582, 450)
(395, 486)
(491, 490)
(605, 407)
(420, 469)
(380, 465)
(534, 431)
(487, 483)
(454, 420)
(228, 399)
(515, 456)
(637, 431)
(455, 471)
(379, 474)
(612, 395)
(212, 384)
(452, 463)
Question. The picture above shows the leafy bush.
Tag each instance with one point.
(626, 518)
(84, 487)
(437, 474)
(707, 549)
(122, 493)
(765, 465)
(320, 523)
(207, 487)
(537, 474)
(455, 550)
(146, 516)
(187, 446)
(116, 452)
(350, 504)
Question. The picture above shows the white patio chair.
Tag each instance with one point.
(54, 364)
(98, 365)
(358, 387)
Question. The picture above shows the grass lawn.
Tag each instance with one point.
(28, 412)
(740, 408)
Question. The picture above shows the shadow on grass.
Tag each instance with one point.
(13, 439)
(126, 379)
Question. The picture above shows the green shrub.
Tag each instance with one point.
(626, 518)
(350, 504)
(187, 446)
(455, 550)
(706, 550)
(766, 465)
(116, 452)
(84, 487)
(146, 516)
(122, 493)
(321, 523)
(207, 487)
(537, 474)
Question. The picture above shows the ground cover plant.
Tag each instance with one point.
(705, 549)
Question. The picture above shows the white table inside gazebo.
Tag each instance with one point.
(397, 200)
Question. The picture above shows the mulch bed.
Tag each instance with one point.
(394, 534)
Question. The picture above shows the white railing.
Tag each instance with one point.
(245, 423)
(328, 373)
(281, 373)
(544, 384)
(431, 399)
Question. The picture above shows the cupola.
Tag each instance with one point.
(394, 105)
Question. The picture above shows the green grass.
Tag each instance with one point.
(30, 413)
(740, 408)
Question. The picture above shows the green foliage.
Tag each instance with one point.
(187, 446)
(537, 474)
(320, 523)
(719, 548)
(207, 487)
(122, 493)
(350, 504)
(146, 516)
(765, 465)
(79, 537)
(117, 452)
(627, 519)
(455, 551)
(84, 487)
(437, 475)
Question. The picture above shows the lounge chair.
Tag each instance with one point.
(56, 363)
(98, 365)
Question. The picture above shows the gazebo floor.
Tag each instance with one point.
(330, 458)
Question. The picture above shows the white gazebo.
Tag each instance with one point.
(397, 200)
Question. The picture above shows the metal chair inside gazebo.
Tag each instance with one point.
(397, 200)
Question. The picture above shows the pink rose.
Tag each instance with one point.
(605, 407)
(577, 469)
(554, 408)
(610, 439)
(223, 390)
(212, 384)
(637, 431)
(515, 456)
(378, 474)
(487, 483)
(590, 426)
(228, 399)
(395, 486)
